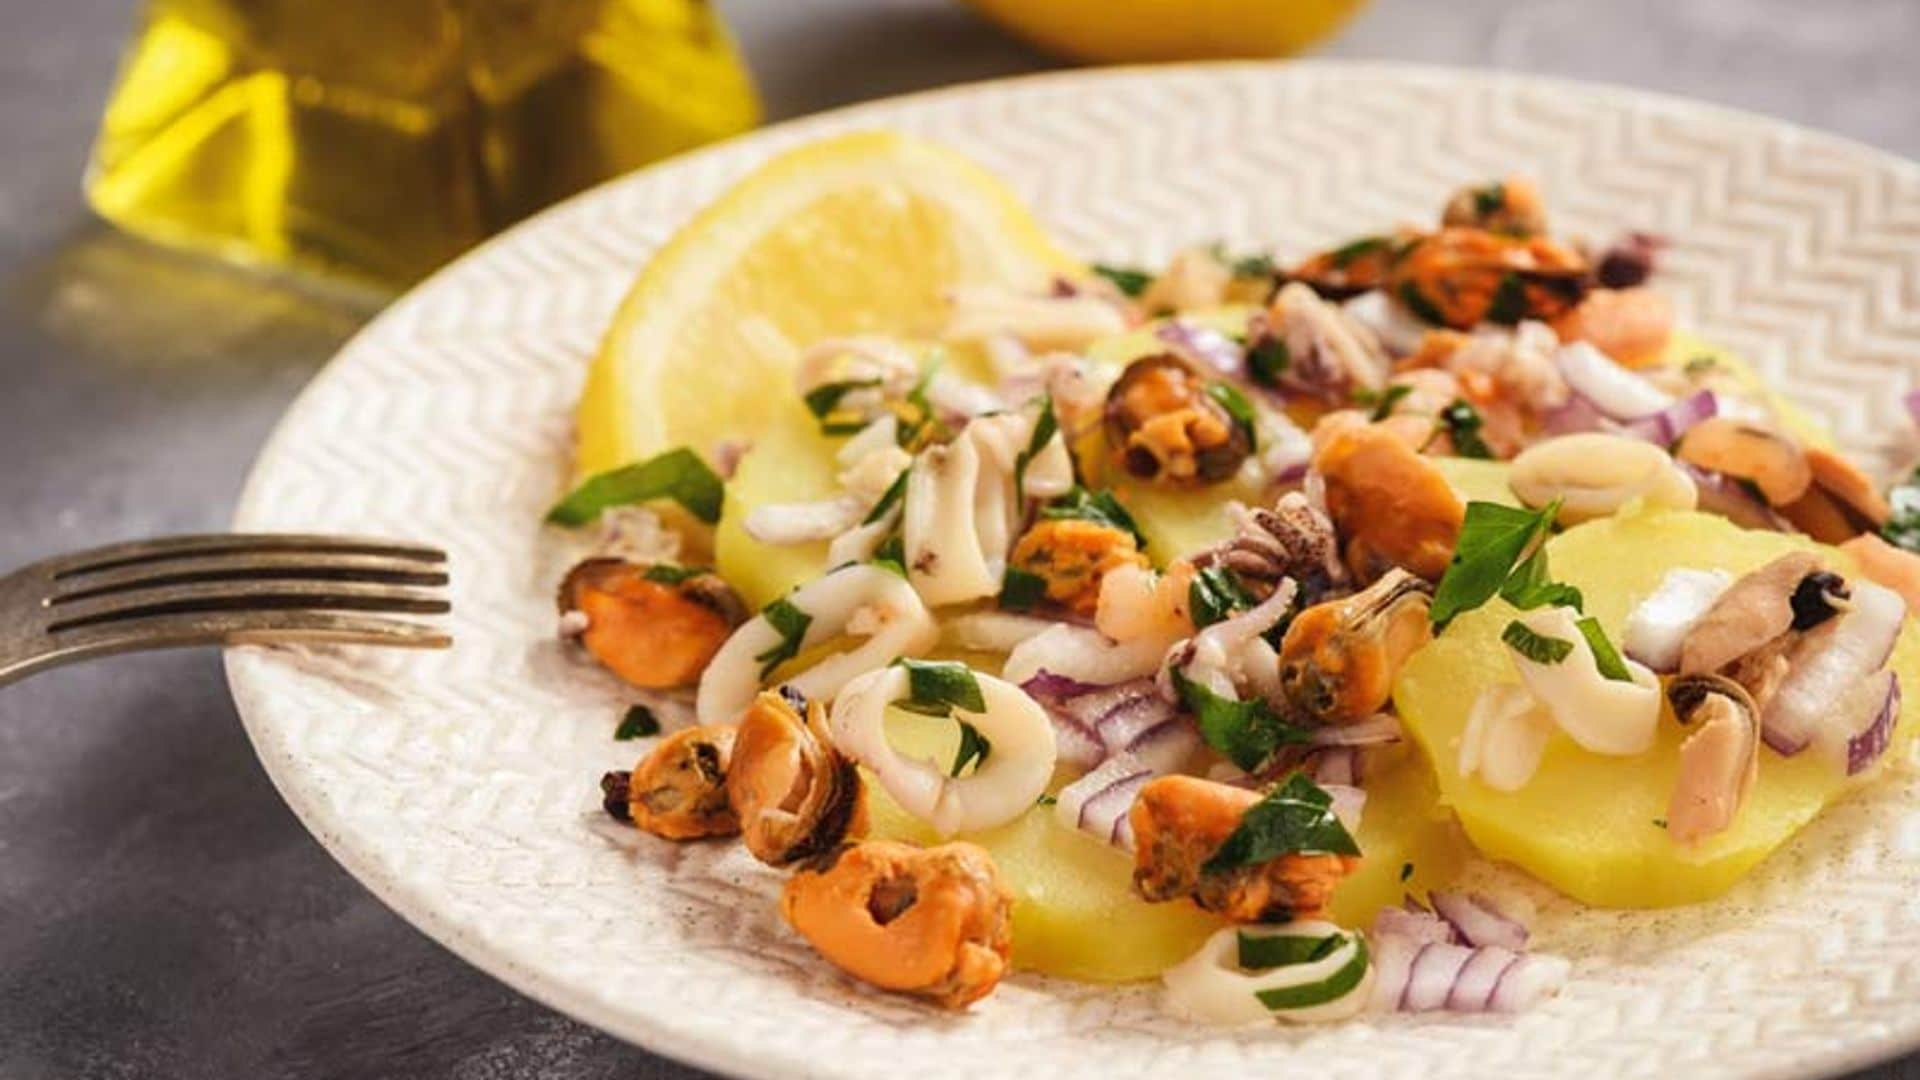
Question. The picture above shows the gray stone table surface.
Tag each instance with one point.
(161, 913)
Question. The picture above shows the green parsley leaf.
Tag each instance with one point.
(1383, 405)
(638, 723)
(823, 402)
(1489, 199)
(937, 687)
(1256, 265)
(1129, 280)
(1231, 399)
(669, 574)
(1344, 255)
(791, 623)
(1422, 308)
(889, 499)
(1332, 988)
(1537, 647)
(1216, 593)
(1047, 800)
(678, 474)
(1264, 952)
(1509, 303)
(1267, 360)
(891, 554)
(1492, 539)
(1245, 732)
(1463, 423)
(1083, 505)
(1045, 426)
(1903, 528)
(1605, 656)
(1529, 587)
(974, 747)
(1406, 870)
(1700, 365)
(1659, 823)
(1021, 590)
(1295, 818)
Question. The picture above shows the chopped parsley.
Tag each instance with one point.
(1047, 800)
(791, 624)
(1493, 539)
(1489, 199)
(1903, 528)
(1229, 397)
(1509, 304)
(1423, 308)
(1605, 656)
(889, 499)
(1045, 426)
(1463, 423)
(1264, 952)
(1267, 359)
(1215, 594)
(1406, 870)
(937, 687)
(1245, 732)
(1332, 988)
(638, 723)
(1529, 587)
(1387, 400)
(1021, 590)
(679, 474)
(1101, 507)
(1537, 647)
(669, 574)
(1129, 280)
(1295, 818)
(823, 402)
(1344, 255)
(974, 749)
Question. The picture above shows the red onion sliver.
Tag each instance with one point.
(1913, 405)
(1098, 802)
(1392, 964)
(1528, 981)
(1866, 744)
(1665, 427)
(1420, 927)
(1431, 977)
(1473, 988)
(1722, 495)
(1335, 766)
(1576, 416)
(1203, 344)
(1348, 804)
(1614, 391)
(1829, 664)
(1477, 921)
(1373, 731)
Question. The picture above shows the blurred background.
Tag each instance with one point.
(161, 913)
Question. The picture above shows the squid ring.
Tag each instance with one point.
(1013, 774)
(860, 599)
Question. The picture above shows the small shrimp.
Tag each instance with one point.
(1394, 506)
(1773, 462)
(1180, 821)
(933, 922)
(1074, 557)
(1339, 658)
(1512, 206)
(1888, 566)
(1137, 604)
(678, 791)
(655, 627)
(1633, 326)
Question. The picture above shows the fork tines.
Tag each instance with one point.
(245, 587)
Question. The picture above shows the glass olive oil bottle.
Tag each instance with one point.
(373, 140)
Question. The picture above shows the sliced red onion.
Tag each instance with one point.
(1098, 802)
(1349, 803)
(1576, 416)
(1828, 664)
(1431, 976)
(1204, 345)
(1479, 977)
(1375, 730)
(1528, 981)
(1665, 427)
(1868, 739)
(1415, 924)
(1478, 922)
(1092, 723)
(1615, 392)
(1913, 405)
(1339, 765)
(1660, 623)
(1721, 494)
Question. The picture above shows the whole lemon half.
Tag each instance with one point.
(1123, 31)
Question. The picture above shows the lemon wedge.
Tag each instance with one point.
(862, 233)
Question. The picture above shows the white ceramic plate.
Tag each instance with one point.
(460, 787)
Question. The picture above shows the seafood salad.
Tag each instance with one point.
(1211, 623)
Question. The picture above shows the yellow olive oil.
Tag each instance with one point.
(373, 140)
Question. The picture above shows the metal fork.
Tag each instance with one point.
(218, 589)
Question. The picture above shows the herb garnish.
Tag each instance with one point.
(1388, 399)
(1333, 987)
(1047, 800)
(1406, 870)
(1509, 303)
(1216, 592)
(1246, 732)
(1463, 423)
(1903, 528)
(1229, 397)
(1489, 199)
(1264, 952)
(678, 474)
(823, 402)
(1044, 427)
(1342, 256)
(1101, 507)
(1529, 587)
(1267, 359)
(1129, 280)
(890, 498)
(1605, 656)
(937, 687)
(1493, 539)
(974, 747)
(1021, 590)
(1537, 647)
(791, 623)
(1423, 308)
(638, 723)
(669, 574)
(1296, 818)
(891, 555)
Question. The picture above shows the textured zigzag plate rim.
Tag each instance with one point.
(279, 692)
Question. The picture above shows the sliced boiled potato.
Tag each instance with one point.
(1590, 824)
(1684, 348)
